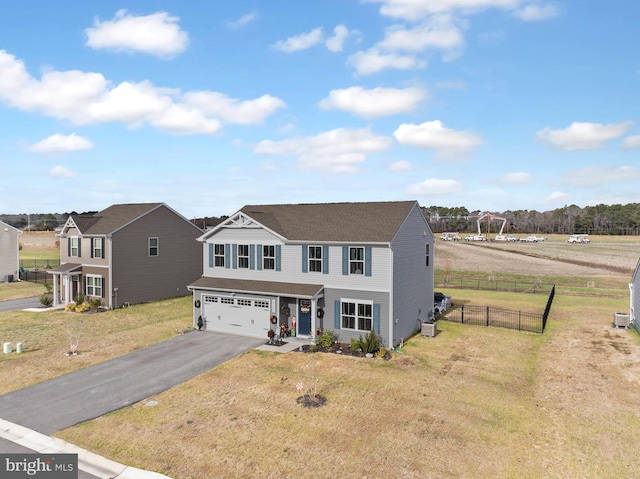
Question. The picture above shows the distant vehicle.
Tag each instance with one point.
(505, 238)
(579, 239)
(450, 237)
(531, 239)
(475, 238)
(441, 302)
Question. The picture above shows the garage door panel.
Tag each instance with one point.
(244, 316)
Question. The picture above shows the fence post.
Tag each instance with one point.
(519, 319)
(462, 314)
(487, 315)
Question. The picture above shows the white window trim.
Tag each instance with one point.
(77, 248)
(310, 259)
(361, 261)
(266, 257)
(95, 241)
(356, 302)
(217, 256)
(94, 287)
(157, 246)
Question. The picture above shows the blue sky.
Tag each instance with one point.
(208, 106)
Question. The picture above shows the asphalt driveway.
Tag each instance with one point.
(91, 392)
(25, 303)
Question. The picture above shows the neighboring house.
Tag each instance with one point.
(9, 253)
(634, 302)
(127, 254)
(348, 267)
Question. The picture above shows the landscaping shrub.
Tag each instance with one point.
(46, 299)
(325, 339)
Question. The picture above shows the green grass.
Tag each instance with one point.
(20, 290)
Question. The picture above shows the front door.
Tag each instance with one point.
(304, 317)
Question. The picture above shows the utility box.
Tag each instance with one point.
(621, 320)
(429, 329)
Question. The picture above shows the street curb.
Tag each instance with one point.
(87, 461)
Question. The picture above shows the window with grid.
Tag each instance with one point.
(356, 260)
(94, 285)
(97, 248)
(315, 258)
(153, 246)
(268, 257)
(357, 316)
(243, 256)
(218, 255)
(74, 249)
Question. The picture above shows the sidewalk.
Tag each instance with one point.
(87, 461)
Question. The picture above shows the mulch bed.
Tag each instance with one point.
(340, 348)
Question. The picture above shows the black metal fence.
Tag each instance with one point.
(491, 284)
(503, 318)
(39, 263)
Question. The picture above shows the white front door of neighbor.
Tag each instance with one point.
(244, 316)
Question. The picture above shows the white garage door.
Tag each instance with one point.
(245, 316)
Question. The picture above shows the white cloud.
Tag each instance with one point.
(584, 136)
(61, 144)
(402, 165)
(336, 42)
(244, 20)
(631, 142)
(232, 110)
(450, 144)
(438, 32)
(89, 98)
(334, 151)
(554, 197)
(62, 172)
(374, 103)
(373, 61)
(435, 186)
(518, 178)
(156, 34)
(413, 10)
(537, 11)
(300, 42)
(599, 175)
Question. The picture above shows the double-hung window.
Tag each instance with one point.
(427, 254)
(97, 248)
(153, 246)
(218, 255)
(315, 258)
(357, 316)
(268, 257)
(74, 246)
(356, 260)
(243, 256)
(94, 285)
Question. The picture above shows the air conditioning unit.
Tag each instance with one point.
(621, 320)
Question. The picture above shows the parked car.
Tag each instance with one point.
(531, 239)
(578, 239)
(450, 237)
(441, 302)
(475, 238)
(505, 238)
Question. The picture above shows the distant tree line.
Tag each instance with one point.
(600, 219)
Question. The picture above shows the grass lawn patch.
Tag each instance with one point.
(20, 290)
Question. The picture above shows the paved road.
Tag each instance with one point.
(20, 304)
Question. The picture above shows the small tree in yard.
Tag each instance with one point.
(310, 396)
(74, 328)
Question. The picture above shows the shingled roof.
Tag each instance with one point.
(326, 222)
(112, 218)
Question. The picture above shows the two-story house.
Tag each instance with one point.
(9, 252)
(349, 267)
(127, 254)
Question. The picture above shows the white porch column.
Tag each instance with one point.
(67, 289)
(314, 305)
(56, 293)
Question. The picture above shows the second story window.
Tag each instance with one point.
(153, 246)
(315, 258)
(356, 260)
(243, 256)
(74, 246)
(97, 248)
(268, 257)
(218, 255)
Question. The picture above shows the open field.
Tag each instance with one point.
(471, 402)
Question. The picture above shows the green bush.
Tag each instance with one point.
(94, 304)
(46, 299)
(325, 339)
(79, 299)
(356, 344)
(370, 343)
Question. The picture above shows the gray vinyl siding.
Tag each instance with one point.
(634, 289)
(143, 278)
(9, 252)
(345, 335)
(412, 279)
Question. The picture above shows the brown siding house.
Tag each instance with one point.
(127, 254)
